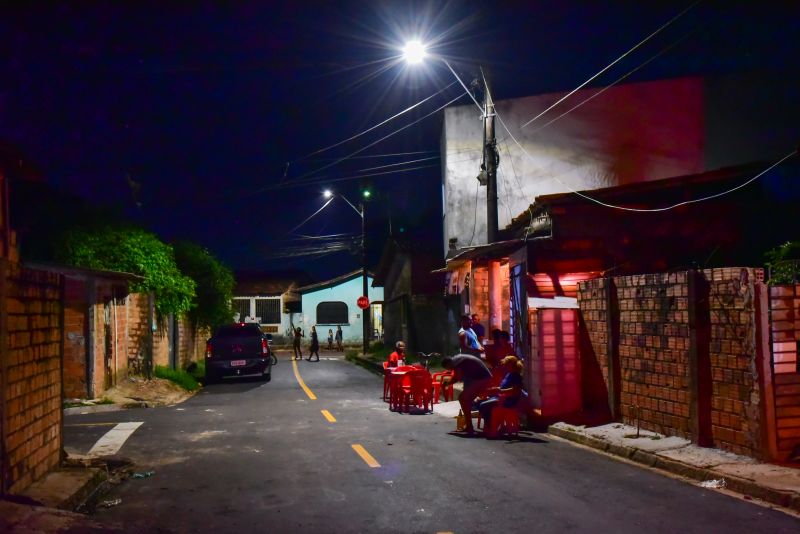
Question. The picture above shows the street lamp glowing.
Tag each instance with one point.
(367, 193)
(327, 193)
(414, 52)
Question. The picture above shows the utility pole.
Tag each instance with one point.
(490, 160)
(365, 318)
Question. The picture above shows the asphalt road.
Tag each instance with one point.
(249, 456)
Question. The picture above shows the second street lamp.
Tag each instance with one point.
(365, 317)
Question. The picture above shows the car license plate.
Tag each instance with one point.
(238, 363)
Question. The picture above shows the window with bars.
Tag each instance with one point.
(269, 310)
(332, 313)
(241, 307)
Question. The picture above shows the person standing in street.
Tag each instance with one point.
(339, 336)
(314, 348)
(298, 351)
(330, 339)
(476, 377)
(467, 340)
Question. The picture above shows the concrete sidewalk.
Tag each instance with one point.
(711, 467)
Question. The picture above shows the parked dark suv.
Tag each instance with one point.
(239, 349)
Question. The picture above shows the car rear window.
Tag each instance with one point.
(238, 330)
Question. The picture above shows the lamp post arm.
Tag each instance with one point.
(360, 212)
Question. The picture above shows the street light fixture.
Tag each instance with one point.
(487, 175)
(365, 318)
(415, 52)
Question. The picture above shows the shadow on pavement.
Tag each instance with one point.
(233, 385)
(521, 438)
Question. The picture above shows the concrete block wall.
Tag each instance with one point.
(31, 377)
(668, 366)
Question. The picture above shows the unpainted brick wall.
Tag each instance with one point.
(654, 345)
(192, 342)
(736, 396)
(654, 351)
(75, 331)
(594, 313)
(32, 392)
(479, 294)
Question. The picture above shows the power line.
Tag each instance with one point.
(640, 43)
(462, 85)
(380, 140)
(650, 210)
(356, 136)
(318, 180)
(615, 82)
(312, 215)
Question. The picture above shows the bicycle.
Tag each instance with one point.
(425, 359)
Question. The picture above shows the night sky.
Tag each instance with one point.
(185, 113)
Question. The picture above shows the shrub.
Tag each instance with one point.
(136, 251)
(784, 263)
(214, 283)
(181, 378)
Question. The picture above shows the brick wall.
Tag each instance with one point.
(594, 315)
(31, 377)
(479, 294)
(735, 401)
(75, 332)
(686, 352)
(192, 342)
(654, 351)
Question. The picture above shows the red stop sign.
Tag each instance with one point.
(363, 302)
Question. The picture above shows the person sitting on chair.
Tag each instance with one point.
(509, 392)
(398, 357)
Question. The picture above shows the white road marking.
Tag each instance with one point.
(114, 439)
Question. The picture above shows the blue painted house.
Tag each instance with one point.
(332, 303)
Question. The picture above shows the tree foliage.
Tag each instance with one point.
(784, 263)
(214, 282)
(136, 251)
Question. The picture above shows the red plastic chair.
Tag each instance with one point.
(386, 371)
(502, 421)
(416, 390)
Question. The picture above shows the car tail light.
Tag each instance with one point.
(208, 349)
(264, 347)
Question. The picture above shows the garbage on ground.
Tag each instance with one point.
(713, 484)
(109, 504)
(146, 474)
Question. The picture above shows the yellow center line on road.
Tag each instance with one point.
(367, 457)
(91, 424)
(329, 416)
(300, 381)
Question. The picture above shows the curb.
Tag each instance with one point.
(99, 408)
(740, 485)
(86, 492)
(369, 365)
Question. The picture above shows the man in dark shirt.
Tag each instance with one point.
(476, 377)
(477, 327)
